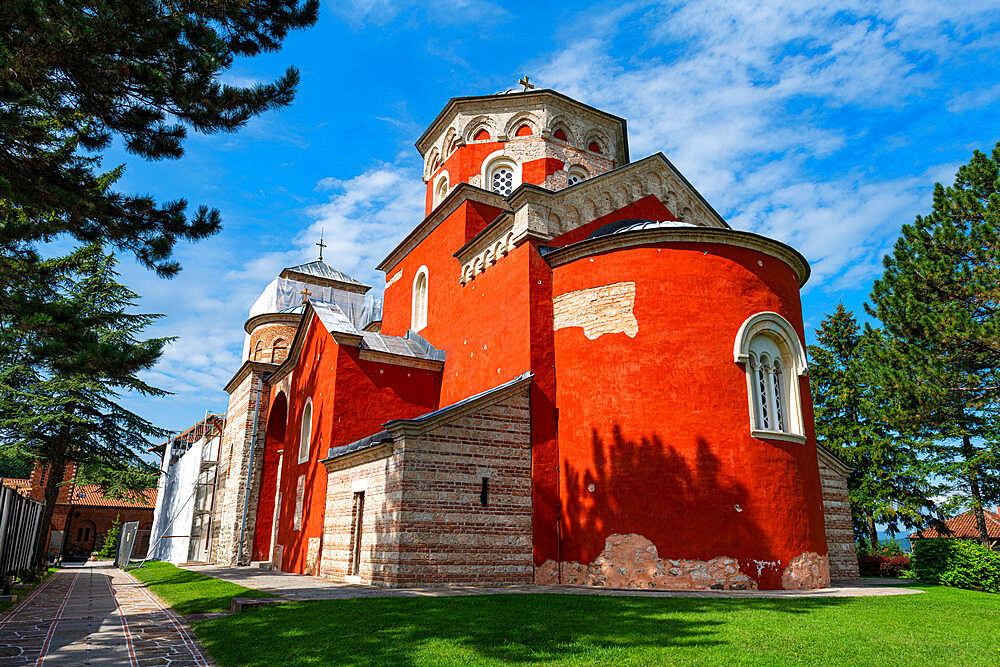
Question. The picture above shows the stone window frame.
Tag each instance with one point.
(577, 171)
(418, 307)
(782, 335)
(305, 436)
(494, 161)
(275, 347)
(441, 187)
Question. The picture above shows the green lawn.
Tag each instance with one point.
(189, 592)
(21, 590)
(945, 626)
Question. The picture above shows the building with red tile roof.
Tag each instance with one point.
(963, 526)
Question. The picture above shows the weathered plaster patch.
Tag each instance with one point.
(599, 310)
(809, 570)
(632, 561)
(312, 555)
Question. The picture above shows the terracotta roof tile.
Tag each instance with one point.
(964, 525)
(90, 495)
(22, 486)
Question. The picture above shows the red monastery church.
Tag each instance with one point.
(580, 375)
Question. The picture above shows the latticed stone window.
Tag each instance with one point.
(502, 180)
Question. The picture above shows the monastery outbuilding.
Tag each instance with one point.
(578, 374)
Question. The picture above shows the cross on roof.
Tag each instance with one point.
(526, 83)
(321, 246)
(305, 294)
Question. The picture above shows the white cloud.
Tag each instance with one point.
(748, 98)
(358, 13)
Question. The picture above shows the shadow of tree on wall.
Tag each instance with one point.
(581, 629)
(681, 499)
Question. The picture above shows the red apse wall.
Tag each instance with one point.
(659, 423)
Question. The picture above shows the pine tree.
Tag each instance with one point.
(76, 74)
(939, 302)
(888, 484)
(60, 387)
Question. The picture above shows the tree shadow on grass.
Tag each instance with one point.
(504, 628)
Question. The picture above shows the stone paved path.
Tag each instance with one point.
(94, 614)
(302, 587)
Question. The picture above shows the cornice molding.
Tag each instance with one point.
(832, 461)
(380, 451)
(462, 193)
(731, 237)
(246, 369)
(381, 357)
(290, 319)
(401, 428)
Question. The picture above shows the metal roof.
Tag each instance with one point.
(320, 269)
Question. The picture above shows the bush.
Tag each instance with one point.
(110, 548)
(883, 566)
(957, 563)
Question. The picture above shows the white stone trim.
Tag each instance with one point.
(495, 159)
(395, 278)
(308, 448)
(437, 197)
(781, 332)
(418, 311)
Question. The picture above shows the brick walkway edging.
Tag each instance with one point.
(175, 620)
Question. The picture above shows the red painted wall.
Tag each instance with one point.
(352, 398)
(659, 423)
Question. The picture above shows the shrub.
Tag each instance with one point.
(110, 548)
(957, 563)
(883, 566)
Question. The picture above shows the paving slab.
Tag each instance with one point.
(304, 587)
(95, 614)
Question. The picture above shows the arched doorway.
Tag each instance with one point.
(274, 442)
(83, 536)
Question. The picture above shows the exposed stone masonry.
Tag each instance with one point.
(599, 310)
(837, 518)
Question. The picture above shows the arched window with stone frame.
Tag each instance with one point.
(577, 174)
(418, 317)
(500, 174)
(279, 350)
(441, 189)
(258, 351)
(773, 359)
(305, 432)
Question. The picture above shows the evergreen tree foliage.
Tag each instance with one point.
(888, 484)
(63, 376)
(78, 73)
(110, 547)
(939, 303)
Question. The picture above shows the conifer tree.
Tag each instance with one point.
(77, 73)
(60, 387)
(888, 484)
(939, 303)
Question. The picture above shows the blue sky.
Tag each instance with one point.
(824, 127)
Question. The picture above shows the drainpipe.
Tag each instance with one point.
(253, 452)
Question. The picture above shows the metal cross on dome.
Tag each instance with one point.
(321, 246)
(305, 294)
(526, 83)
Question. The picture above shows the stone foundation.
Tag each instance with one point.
(807, 571)
(632, 561)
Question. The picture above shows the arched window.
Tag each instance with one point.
(258, 351)
(594, 147)
(560, 134)
(418, 319)
(773, 360)
(502, 177)
(576, 175)
(524, 131)
(279, 351)
(482, 135)
(441, 189)
(305, 432)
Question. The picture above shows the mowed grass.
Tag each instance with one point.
(189, 592)
(941, 627)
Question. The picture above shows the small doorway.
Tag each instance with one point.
(354, 566)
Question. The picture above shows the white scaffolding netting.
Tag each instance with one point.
(284, 295)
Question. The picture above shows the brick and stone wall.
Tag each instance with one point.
(837, 518)
(233, 463)
(266, 335)
(598, 310)
(424, 522)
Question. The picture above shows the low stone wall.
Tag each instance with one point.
(837, 518)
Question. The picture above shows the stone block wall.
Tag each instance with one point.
(233, 463)
(424, 523)
(378, 475)
(837, 518)
(447, 536)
